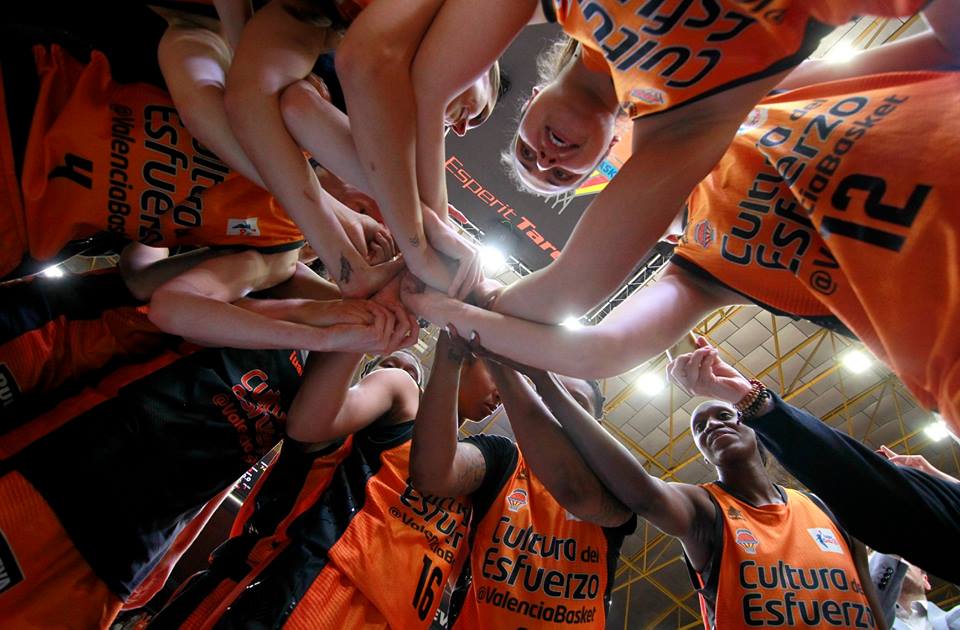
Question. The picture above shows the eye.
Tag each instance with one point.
(726, 415)
(561, 175)
(526, 153)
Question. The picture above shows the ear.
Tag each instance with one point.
(534, 93)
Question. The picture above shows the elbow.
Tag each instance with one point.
(296, 103)
(426, 482)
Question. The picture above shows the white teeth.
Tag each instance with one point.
(556, 141)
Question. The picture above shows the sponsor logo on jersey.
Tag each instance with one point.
(243, 227)
(734, 514)
(517, 499)
(9, 391)
(10, 572)
(825, 539)
(649, 96)
(704, 234)
(754, 119)
(747, 540)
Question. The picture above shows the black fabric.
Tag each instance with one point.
(549, 10)
(275, 499)
(31, 305)
(707, 581)
(500, 457)
(615, 536)
(124, 477)
(890, 508)
(829, 322)
(268, 602)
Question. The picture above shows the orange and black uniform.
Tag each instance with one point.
(105, 157)
(96, 489)
(784, 565)
(65, 331)
(358, 547)
(532, 563)
(662, 55)
(837, 200)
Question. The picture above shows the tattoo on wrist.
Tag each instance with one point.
(345, 270)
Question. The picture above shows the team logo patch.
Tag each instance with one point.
(704, 234)
(825, 539)
(243, 227)
(753, 120)
(734, 514)
(517, 499)
(9, 391)
(648, 96)
(747, 540)
(10, 572)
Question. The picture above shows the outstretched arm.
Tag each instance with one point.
(278, 47)
(550, 452)
(650, 321)
(440, 464)
(633, 211)
(197, 305)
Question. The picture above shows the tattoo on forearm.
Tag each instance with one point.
(471, 472)
(345, 270)
(414, 241)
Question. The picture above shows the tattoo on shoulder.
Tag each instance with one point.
(471, 471)
(414, 241)
(345, 270)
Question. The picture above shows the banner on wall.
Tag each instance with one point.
(531, 228)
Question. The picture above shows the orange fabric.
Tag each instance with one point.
(63, 349)
(202, 614)
(808, 212)
(533, 564)
(58, 588)
(661, 55)
(17, 439)
(13, 234)
(402, 548)
(785, 565)
(334, 601)
(157, 578)
(119, 159)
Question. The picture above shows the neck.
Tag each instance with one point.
(908, 595)
(751, 482)
(596, 84)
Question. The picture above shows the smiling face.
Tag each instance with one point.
(563, 136)
(720, 436)
(472, 107)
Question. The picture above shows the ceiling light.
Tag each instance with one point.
(493, 259)
(936, 430)
(841, 53)
(573, 323)
(53, 272)
(650, 383)
(856, 361)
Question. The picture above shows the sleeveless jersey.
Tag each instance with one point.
(780, 565)
(55, 331)
(286, 489)
(119, 159)
(369, 551)
(535, 565)
(148, 447)
(837, 199)
(661, 55)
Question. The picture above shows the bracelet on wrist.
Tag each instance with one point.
(753, 400)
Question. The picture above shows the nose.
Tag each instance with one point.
(545, 161)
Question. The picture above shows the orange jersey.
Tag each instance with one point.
(366, 551)
(664, 54)
(781, 565)
(57, 331)
(533, 564)
(116, 158)
(811, 213)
